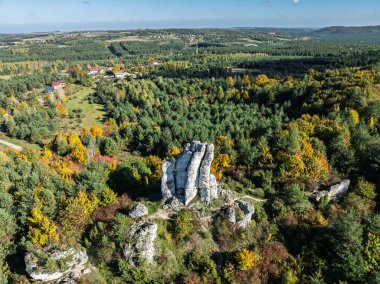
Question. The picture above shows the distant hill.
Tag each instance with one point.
(342, 29)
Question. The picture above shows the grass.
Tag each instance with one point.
(18, 142)
(82, 114)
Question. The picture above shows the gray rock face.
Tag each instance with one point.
(141, 247)
(138, 211)
(334, 192)
(73, 259)
(247, 209)
(231, 215)
(204, 182)
(167, 180)
(192, 174)
(213, 187)
(191, 188)
(227, 195)
(338, 190)
(173, 204)
(181, 167)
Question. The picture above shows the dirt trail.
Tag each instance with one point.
(165, 214)
(254, 198)
(11, 145)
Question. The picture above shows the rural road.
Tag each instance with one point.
(11, 145)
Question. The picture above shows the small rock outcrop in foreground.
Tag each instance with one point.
(140, 245)
(138, 211)
(246, 208)
(334, 192)
(57, 265)
(190, 174)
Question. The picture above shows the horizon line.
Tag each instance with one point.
(181, 28)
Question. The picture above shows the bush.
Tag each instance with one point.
(182, 225)
(246, 259)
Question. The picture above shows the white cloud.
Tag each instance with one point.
(296, 1)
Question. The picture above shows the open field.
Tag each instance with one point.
(80, 113)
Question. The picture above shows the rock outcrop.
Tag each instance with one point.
(138, 211)
(333, 193)
(247, 210)
(173, 204)
(57, 265)
(167, 180)
(336, 191)
(192, 174)
(140, 245)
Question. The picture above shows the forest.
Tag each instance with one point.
(291, 114)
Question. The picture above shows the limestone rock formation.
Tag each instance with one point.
(167, 180)
(138, 211)
(247, 209)
(334, 192)
(66, 264)
(231, 215)
(140, 246)
(192, 174)
(173, 204)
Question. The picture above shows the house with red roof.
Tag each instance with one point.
(95, 71)
(58, 84)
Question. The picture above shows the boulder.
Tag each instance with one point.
(141, 243)
(138, 211)
(56, 265)
(192, 174)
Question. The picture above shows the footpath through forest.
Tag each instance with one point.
(11, 145)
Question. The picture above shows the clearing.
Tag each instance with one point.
(80, 113)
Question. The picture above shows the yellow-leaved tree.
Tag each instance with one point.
(219, 164)
(76, 214)
(42, 231)
(173, 152)
(78, 150)
(246, 259)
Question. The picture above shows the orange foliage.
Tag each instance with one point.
(61, 109)
(96, 131)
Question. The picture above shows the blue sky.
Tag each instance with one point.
(49, 15)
